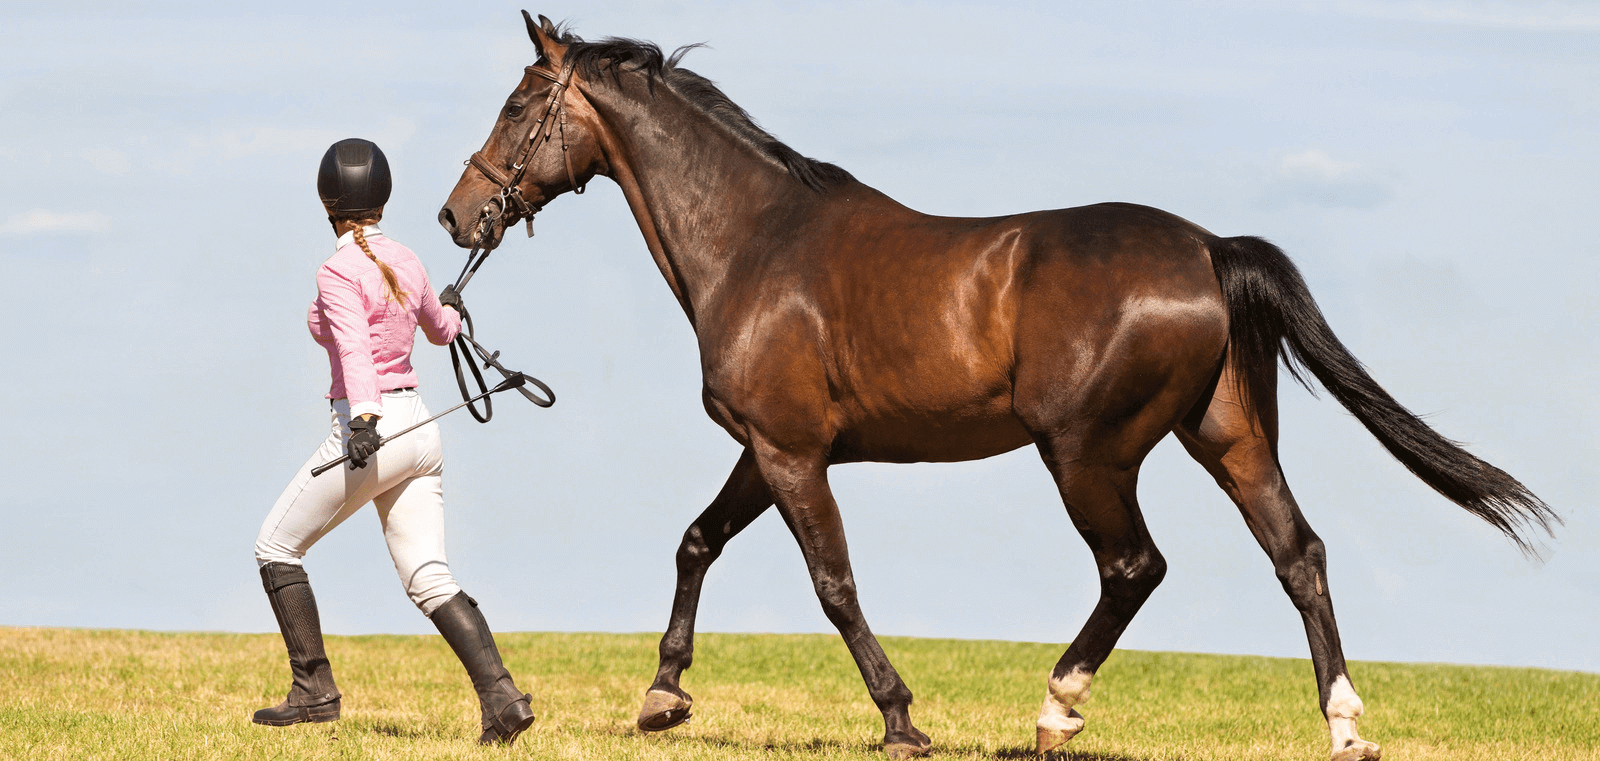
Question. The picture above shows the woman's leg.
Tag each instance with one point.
(412, 514)
(313, 696)
(306, 511)
(504, 707)
(310, 506)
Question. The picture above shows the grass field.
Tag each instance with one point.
(78, 694)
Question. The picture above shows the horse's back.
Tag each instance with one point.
(1110, 238)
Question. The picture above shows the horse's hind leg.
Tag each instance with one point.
(742, 499)
(1240, 450)
(1100, 500)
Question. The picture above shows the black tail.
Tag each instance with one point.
(1270, 308)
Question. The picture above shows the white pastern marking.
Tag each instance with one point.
(1343, 709)
(1060, 696)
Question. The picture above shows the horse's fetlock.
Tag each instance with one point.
(896, 697)
(678, 651)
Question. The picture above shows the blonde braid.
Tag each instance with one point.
(390, 282)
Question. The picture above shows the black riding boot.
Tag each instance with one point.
(312, 695)
(505, 708)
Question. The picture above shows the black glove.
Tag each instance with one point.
(448, 297)
(364, 441)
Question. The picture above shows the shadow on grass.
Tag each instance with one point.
(1011, 753)
(791, 746)
(392, 729)
(1021, 752)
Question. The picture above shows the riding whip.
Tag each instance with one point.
(514, 380)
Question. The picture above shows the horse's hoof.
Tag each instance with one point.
(1359, 750)
(1054, 737)
(901, 751)
(664, 710)
(1050, 739)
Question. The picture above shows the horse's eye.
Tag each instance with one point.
(513, 111)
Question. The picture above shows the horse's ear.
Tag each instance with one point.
(544, 35)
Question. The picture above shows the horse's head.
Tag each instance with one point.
(542, 145)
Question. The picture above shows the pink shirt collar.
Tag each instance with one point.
(350, 237)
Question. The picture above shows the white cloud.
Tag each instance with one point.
(1313, 177)
(1312, 163)
(40, 221)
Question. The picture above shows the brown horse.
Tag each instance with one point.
(836, 325)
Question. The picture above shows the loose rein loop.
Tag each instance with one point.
(466, 344)
(477, 375)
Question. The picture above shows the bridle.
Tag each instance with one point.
(552, 122)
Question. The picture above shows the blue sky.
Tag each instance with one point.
(1431, 166)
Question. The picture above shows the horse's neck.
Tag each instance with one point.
(697, 192)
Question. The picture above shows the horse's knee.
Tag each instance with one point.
(695, 552)
(1303, 573)
(838, 597)
(1135, 575)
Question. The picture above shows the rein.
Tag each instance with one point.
(510, 199)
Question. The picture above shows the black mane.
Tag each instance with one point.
(615, 55)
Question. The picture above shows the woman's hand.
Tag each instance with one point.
(448, 297)
(364, 440)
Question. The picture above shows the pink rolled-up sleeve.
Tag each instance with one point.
(439, 323)
(345, 309)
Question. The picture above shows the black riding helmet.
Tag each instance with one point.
(354, 177)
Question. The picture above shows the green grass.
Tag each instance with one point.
(78, 694)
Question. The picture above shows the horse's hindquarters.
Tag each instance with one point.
(1121, 328)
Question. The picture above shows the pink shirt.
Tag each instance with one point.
(368, 335)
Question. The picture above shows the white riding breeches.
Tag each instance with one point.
(404, 480)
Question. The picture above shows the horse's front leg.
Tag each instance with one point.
(799, 483)
(742, 499)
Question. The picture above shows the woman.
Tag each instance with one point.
(372, 295)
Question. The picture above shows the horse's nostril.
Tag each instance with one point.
(448, 220)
